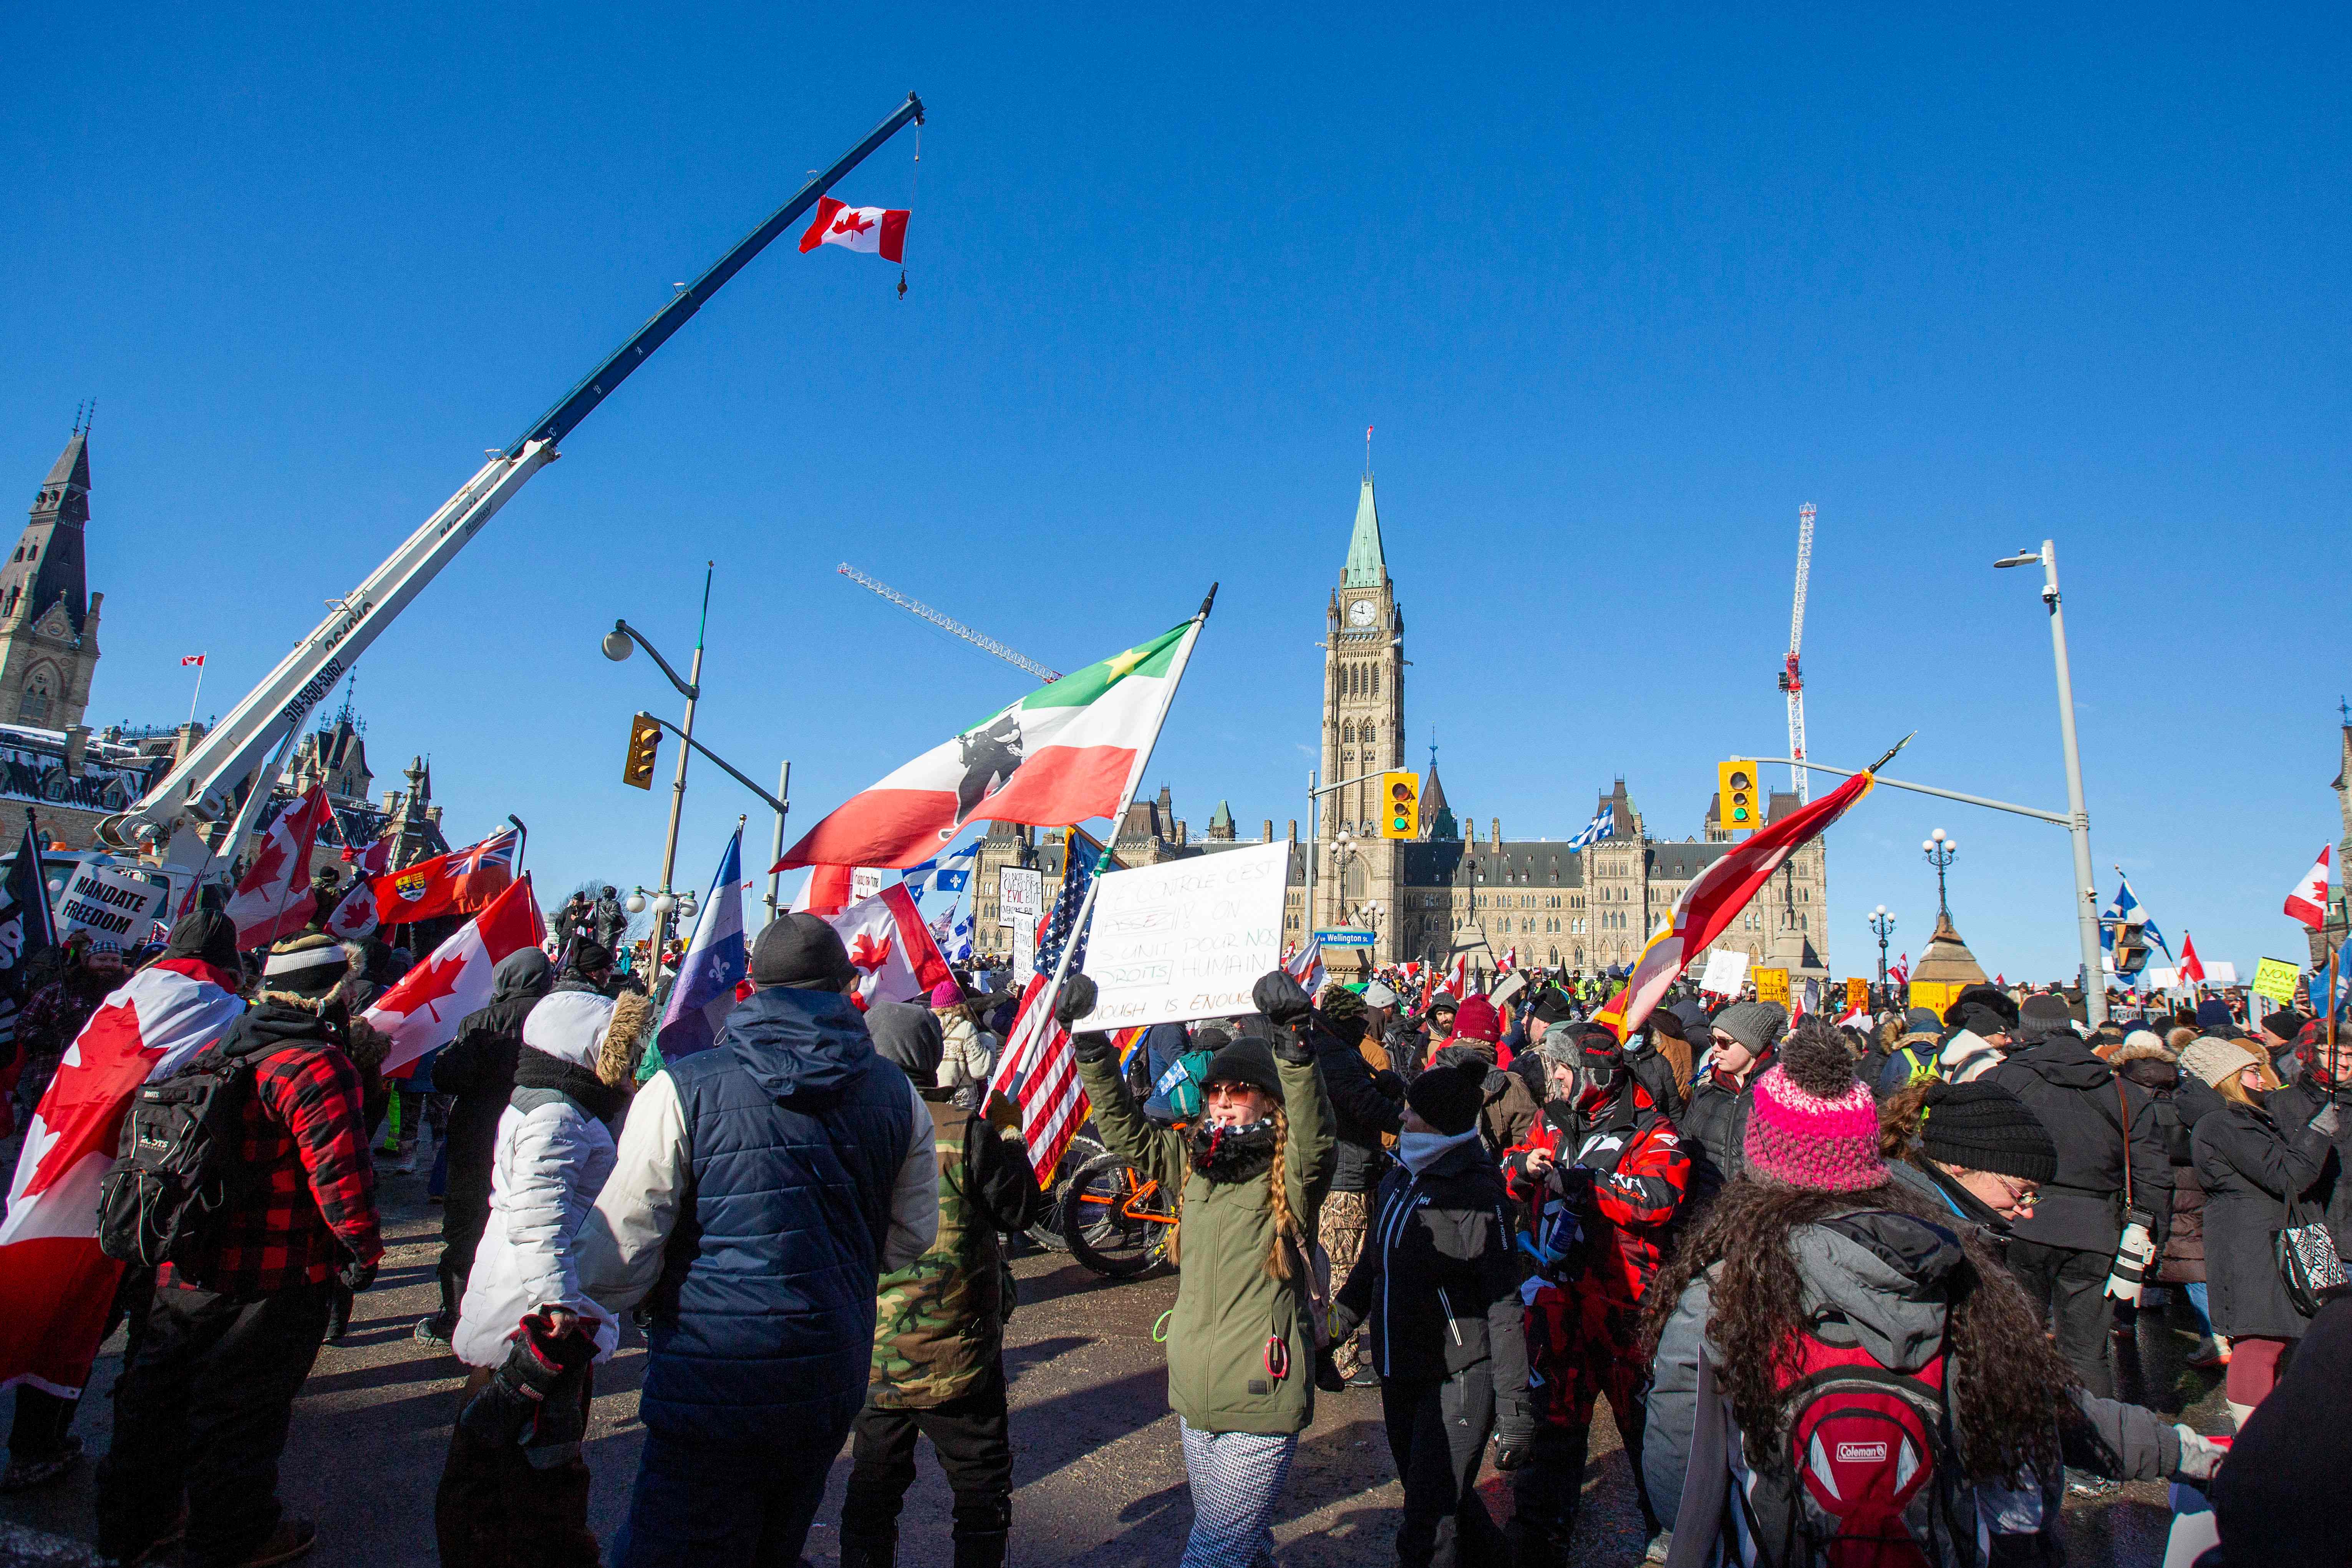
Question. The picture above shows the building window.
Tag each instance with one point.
(1376, 680)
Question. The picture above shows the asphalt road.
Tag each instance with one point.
(1099, 1463)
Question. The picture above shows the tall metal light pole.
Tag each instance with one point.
(1884, 924)
(1940, 851)
(2087, 897)
(618, 643)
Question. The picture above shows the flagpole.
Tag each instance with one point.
(199, 691)
(1127, 798)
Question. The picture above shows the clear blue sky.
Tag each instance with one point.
(1619, 292)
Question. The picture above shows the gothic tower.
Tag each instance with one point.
(49, 620)
(1363, 732)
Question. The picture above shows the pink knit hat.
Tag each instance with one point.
(1812, 1124)
(946, 994)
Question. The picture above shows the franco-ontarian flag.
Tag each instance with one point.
(1065, 754)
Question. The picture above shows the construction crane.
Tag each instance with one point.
(199, 792)
(1792, 680)
(980, 640)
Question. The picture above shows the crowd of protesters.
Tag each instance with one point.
(1844, 1288)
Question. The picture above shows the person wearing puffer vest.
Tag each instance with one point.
(761, 1189)
(509, 1496)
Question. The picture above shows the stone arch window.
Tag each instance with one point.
(1376, 680)
(34, 706)
(1347, 733)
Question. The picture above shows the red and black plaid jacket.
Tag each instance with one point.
(1641, 1175)
(308, 1202)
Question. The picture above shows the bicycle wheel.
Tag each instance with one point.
(1047, 1232)
(1100, 1221)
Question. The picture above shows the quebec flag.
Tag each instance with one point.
(716, 960)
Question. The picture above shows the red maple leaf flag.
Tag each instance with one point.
(877, 231)
(55, 1284)
(273, 899)
(2308, 900)
(896, 958)
(422, 1011)
(2193, 972)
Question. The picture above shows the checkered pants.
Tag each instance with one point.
(1346, 1218)
(1237, 1477)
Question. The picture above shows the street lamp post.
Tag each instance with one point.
(618, 643)
(1883, 924)
(1940, 851)
(2087, 897)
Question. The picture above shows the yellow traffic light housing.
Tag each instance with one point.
(645, 745)
(1739, 803)
(1400, 805)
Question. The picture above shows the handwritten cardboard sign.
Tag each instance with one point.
(1772, 986)
(1186, 939)
(2275, 978)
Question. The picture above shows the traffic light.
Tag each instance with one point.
(1737, 809)
(2131, 948)
(645, 745)
(1400, 805)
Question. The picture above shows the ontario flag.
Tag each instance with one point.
(458, 883)
(273, 898)
(877, 231)
(422, 1011)
(2307, 899)
(1066, 753)
(1714, 900)
(896, 958)
(56, 1287)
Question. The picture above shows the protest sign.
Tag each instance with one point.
(1772, 986)
(1186, 939)
(1725, 972)
(1857, 994)
(120, 903)
(1936, 994)
(1019, 900)
(2275, 978)
(2220, 971)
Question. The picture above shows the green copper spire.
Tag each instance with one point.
(1367, 567)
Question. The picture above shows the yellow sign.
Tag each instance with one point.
(1857, 994)
(1936, 994)
(2276, 979)
(1738, 806)
(1771, 986)
(1400, 805)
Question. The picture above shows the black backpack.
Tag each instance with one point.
(176, 1162)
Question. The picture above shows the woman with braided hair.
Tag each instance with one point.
(1249, 1176)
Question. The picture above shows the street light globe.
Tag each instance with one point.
(617, 645)
(636, 902)
(687, 906)
(664, 903)
(1937, 836)
(1927, 845)
(1950, 845)
(1879, 910)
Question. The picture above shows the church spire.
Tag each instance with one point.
(1367, 566)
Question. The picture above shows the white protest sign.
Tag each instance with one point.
(1186, 939)
(865, 881)
(1019, 900)
(2220, 971)
(1725, 971)
(112, 902)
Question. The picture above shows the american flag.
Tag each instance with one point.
(1037, 1070)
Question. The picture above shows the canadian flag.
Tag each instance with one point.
(896, 960)
(1457, 982)
(2308, 900)
(372, 860)
(422, 1011)
(1306, 966)
(195, 658)
(274, 899)
(2191, 971)
(356, 916)
(55, 1284)
(877, 231)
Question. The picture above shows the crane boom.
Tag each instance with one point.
(980, 640)
(200, 788)
(1792, 678)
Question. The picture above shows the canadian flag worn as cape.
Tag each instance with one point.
(422, 1009)
(896, 960)
(1066, 753)
(458, 883)
(274, 899)
(55, 1285)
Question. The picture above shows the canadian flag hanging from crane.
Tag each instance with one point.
(877, 231)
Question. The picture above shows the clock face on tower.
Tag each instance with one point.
(1359, 614)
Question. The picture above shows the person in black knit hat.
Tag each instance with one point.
(1974, 1148)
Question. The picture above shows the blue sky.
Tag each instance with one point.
(1619, 292)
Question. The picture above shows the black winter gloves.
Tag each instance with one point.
(512, 1406)
(1515, 1431)
(356, 1275)
(1079, 995)
(1285, 1006)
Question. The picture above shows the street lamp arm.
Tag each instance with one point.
(774, 805)
(687, 690)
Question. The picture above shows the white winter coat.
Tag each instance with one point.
(967, 1053)
(550, 1163)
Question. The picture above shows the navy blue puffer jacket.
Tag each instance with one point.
(763, 1323)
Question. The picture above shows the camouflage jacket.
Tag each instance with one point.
(941, 1322)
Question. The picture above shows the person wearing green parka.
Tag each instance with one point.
(1250, 1174)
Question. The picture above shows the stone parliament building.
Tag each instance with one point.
(1453, 891)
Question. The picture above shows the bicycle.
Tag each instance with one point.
(1114, 1221)
(1047, 1232)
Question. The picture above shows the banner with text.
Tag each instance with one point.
(1019, 900)
(109, 902)
(1186, 939)
(1772, 986)
(2275, 978)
